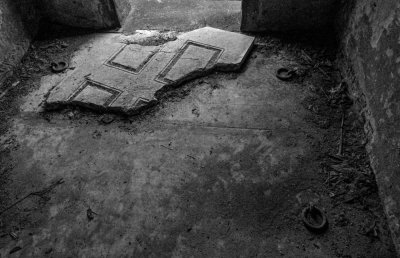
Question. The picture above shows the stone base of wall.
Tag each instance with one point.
(369, 31)
(18, 25)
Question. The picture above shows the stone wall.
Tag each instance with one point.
(123, 8)
(96, 14)
(370, 37)
(18, 25)
(287, 15)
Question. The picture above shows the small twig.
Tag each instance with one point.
(322, 71)
(166, 147)
(323, 91)
(191, 157)
(351, 199)
(339, 194)
(328, 180)
(337, 182)
(340, 159)
(340, 151)
(309, 59)
(38, 193)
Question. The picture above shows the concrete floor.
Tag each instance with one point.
(198, 175)
(221, 168)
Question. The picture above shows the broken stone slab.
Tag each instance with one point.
(149, 37)
(126, 77)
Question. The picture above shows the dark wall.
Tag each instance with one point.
(123, 8)
(370, 37)
(96, 14)
(287, 15)
(19, 21)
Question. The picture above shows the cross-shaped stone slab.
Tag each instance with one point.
(126, 78)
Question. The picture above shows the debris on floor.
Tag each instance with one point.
(223, 166)
(90, 214)
(148, 37)
(15, 249)
(58, 67)
(285, 74)
(42, 194)
(14, 235)
(314, 219)
(107, 119)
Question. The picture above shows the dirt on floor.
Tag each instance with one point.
(334, 176)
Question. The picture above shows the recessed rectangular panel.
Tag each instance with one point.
(193, 57)
(128, 77)
(95, 93)
(132, 58)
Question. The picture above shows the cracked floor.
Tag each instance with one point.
(221, 167)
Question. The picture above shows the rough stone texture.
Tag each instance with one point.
(18, 24)
(123, 8)
(286, 15)
(371, 45)
(218, 173)
(180, 15)
(126, 78)
(96, 14)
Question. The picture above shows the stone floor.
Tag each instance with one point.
(221, 167)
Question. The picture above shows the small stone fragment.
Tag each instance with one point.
(90, 214)
(64, 45)
(14, 235)
(107, 119)
(15, 84)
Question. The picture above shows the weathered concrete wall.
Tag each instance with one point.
(286, 15)
(123, 8)
(371, 45)
(96, 14)
(18, 24)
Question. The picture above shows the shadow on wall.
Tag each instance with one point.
(19, 20)
(123, 8)
(95, 14)
(287, 15)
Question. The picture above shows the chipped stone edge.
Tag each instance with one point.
(218, 67)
